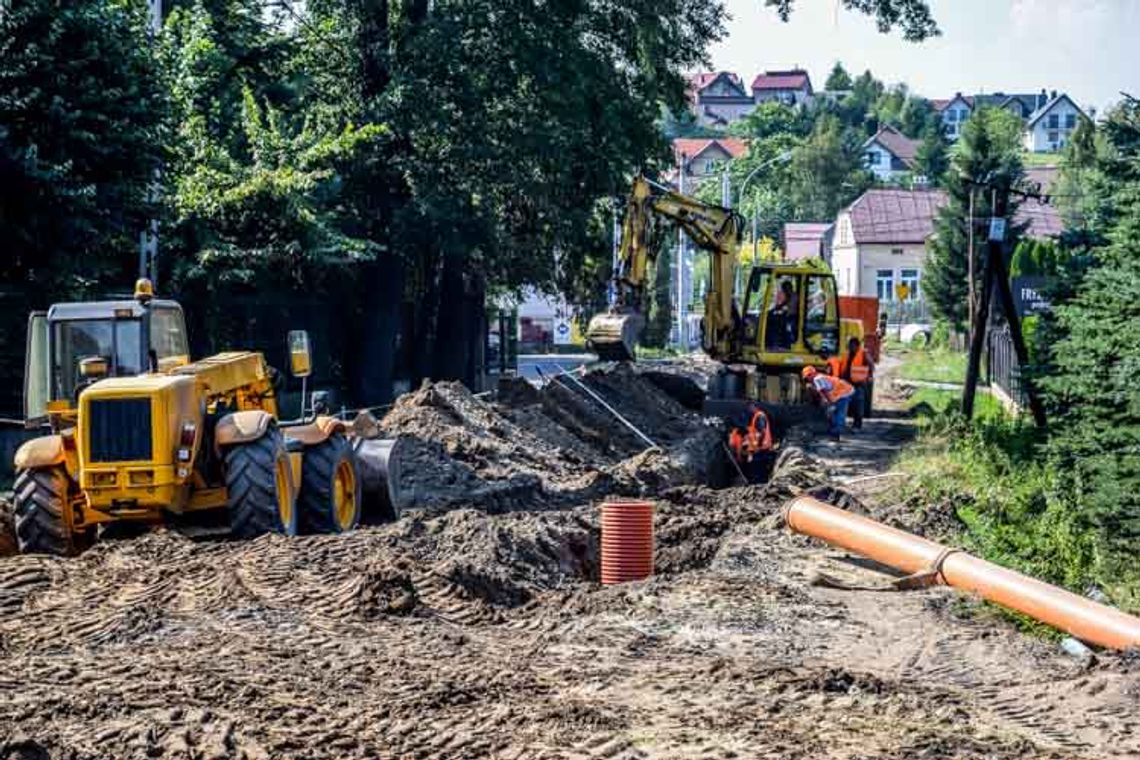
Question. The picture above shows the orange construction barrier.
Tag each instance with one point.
(627, 541)
(1082, 618)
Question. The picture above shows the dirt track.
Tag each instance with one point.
(468, 634)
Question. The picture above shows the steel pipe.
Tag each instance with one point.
(1081, 618)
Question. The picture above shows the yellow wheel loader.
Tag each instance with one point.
(788, 318)
(139, 433)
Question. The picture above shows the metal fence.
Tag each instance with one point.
(906, 312)
(1002, 368)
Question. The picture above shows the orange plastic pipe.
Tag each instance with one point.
(1082, 618)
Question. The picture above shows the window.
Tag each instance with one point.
(885, 285)
(712, 166)
(896, 251)
(1054, 121)
(116, 340)
(821, 316)
(1053, 137)
(168, 333)
(1070, 120)
(873, 158)
(910, 278)
(782, 331)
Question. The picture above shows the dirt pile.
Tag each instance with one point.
(545, 449)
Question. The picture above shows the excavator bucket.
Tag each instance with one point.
(613, 337)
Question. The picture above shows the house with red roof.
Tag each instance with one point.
(890, 154)
(881, 239)
(718, 98)
(702, 157)
(791, 87)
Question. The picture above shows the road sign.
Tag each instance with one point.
(902, 290)
(563, 332)
(997, 229)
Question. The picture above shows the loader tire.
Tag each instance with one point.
(330, 487)
(42, 525)
(259, 487)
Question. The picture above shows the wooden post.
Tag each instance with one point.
(978, 333)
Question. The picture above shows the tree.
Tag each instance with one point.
(82, 116)
(985, 160)
(660, 321)
(826, 172)
(912, 16)
(932, 157)
(838, 80)
(772, 118)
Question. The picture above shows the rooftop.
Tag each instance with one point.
(793, 79)
(901, 146)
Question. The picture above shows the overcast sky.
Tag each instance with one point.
(1087, 48)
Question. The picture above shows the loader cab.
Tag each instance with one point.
(791, 311)
(73, 345)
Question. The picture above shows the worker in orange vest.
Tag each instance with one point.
(836, 393)
(752, 446)
(856, 368)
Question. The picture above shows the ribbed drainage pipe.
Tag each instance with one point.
(1082, 618)
(627, 541)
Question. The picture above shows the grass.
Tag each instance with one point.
(935, 365)
(933, 404)
(1040, 159)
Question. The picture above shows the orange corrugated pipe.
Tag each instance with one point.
(627, 541)
(1082, 618)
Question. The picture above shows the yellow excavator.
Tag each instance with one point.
(788, 317)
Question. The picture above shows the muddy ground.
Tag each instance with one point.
(479, 631)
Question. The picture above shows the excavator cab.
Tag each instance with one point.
(790, 313)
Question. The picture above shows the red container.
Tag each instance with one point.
(866, 310)
(627, 541)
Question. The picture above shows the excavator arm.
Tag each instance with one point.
(613, 335)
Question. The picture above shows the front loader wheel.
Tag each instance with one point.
(42, 523)
(259, 487)
(330, 487)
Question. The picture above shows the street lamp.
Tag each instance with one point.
(780, 158)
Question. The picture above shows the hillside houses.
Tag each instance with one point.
(1050, 117)
(719, 98)
(890, 154)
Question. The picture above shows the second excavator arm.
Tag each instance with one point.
(711, 228)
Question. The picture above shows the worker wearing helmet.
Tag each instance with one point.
(855, 367)
(836, 393)
(752, 445)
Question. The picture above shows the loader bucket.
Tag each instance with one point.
(613, 337)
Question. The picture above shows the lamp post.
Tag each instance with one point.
(780, 158)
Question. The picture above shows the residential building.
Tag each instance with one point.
(890, 154)
(791, 87)
(881, 239)
(703, 157)
(1050, 117)
(719, 98)
(1049, 128)
(808, 240)
(880, 242)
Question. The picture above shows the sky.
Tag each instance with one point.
(1089, 49)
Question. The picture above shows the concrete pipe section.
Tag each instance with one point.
(1082, 618)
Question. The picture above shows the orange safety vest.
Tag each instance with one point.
(835, 366)
(839, 389)
(860, 372)
(759, 441)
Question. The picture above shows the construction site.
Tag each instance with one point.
(475, 624)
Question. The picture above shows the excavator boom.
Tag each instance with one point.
(613, 335)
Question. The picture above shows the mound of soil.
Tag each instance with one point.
(548, 448)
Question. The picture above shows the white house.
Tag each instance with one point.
(1050, 127)
(954, 113)
(718, 98)
(881, 240)
(791, 87)
(890, 154)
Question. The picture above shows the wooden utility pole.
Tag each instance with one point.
(971, 274)
(995, 275)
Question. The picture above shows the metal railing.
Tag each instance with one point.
(1002, 368)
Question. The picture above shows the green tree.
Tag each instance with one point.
(82, 115)
(772, 118)
(912, 16)
(826, 172)
(985, 158)
(932, 157)
(838, 80)
(660, 320)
